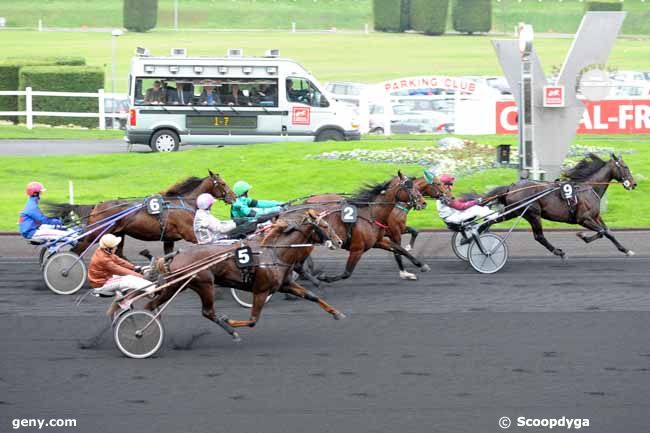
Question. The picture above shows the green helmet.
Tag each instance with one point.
(241, 188)
(429, 175)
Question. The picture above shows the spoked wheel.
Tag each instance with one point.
(64, 273)
(496, 257)
(460, 249)
(134, 338)
(244, 298)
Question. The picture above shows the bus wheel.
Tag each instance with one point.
(164, 140)
(330, 134)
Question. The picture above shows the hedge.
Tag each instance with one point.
(9, 69)
(471, 16)
(405, 11)
(603, 6)
(388, 15)
(429, 16)
(63, 79)
(140, 15)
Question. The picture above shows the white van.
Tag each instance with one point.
(229, 100)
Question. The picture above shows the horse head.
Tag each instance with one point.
(407, 192)
(220, 188)
(621, 172)
(434, 189)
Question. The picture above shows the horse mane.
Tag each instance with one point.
(183, 187)
(470, 196)
(369, 192)
(276, 230)
(584, 168)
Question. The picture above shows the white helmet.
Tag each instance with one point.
(204, 201)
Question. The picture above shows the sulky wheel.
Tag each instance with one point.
(244, 298)
(495, 257)
(459, 249)
(134, 338)
(64, 273)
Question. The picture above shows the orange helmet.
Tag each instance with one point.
(34, 188)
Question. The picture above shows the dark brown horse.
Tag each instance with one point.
(375, 204)
(274, 258)
(591, 177)
(174, 223)
(397, 221)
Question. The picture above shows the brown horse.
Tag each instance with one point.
(174, 223)
(397, 222)
(591, 176)
(375, 204)
(274, 258)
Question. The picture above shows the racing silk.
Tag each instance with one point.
(31, 218)
(456, 211)
(209, 229)
(246, 207)
(104, 266)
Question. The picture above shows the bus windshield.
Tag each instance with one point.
(240, 92)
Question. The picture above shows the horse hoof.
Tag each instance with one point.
(630, 253)
(339, 316)
(236, 338)
(404, 275)
(425, 268)
(408, 248)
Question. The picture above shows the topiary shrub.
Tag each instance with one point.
(387, 15)
(9, 70)
(603, 6)
(472, 16)
(62, 79)
(429, 16)
(140, 15)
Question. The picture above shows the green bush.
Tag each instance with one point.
(429, 16)
(405, 11)
(471, 16)
(140, 15)
(9, 70)
(603, 6)
(387, 15)
(62, 79)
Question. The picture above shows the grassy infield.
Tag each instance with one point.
(282, 172)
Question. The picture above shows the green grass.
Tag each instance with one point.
(20, 132)
(545, 16)
(279, 171)
(366, 58)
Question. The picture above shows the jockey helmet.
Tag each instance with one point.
(240, 188)
(429, 175)
(109, 241)
(447, 179)
(34, 188)
(205, 200)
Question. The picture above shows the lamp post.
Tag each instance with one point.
(176, 15)
(114, 35)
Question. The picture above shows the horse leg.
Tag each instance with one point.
(395, 248)
(299, 291)
(206, 294)
(353, 259)
(414, 234)
(601, 230)
(538, 233)
(304, 272)
(168, 247)
(259, 299)
(396, 237)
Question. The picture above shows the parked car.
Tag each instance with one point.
(116, 106)
(414, 122)
(633, 89)
(628, 76)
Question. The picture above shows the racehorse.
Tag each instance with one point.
(375, 204)
(174, 223)
(271, 272)
(397, 222)
(591, 176)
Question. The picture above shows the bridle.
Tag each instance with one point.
(625, 179)
(413, 195)
(219, 185)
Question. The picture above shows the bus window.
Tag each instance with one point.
(303, 91)
(241, 92)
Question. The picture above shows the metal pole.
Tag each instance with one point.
(176, 15)
(113, 46)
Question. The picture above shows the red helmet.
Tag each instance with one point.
(447, 179)
(34, 188)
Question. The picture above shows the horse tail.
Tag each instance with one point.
(497, 194)
(67, 211)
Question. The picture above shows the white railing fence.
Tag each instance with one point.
(29, 113)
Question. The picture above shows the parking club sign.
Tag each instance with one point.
(553, 96)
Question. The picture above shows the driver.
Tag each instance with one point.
(246, 207)
(207, 228)
(33, 223)
(456, 211)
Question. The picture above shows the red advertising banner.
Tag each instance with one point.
(620, 116)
